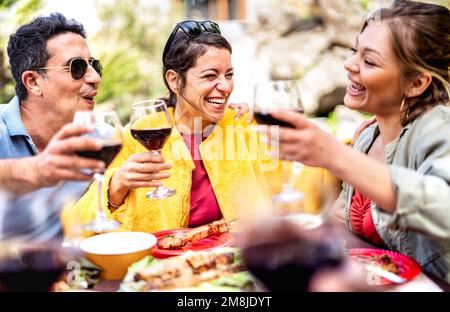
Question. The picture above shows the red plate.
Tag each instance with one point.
(408, 267)
(209, 243)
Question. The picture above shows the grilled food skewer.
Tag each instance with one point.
(195, 234)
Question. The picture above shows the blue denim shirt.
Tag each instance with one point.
(15, 142)
(34, 216)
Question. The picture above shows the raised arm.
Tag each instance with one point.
(416, 198)
(58, 162)
(308, 144)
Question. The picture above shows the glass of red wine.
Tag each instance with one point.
(151, 125)
(285, 257)
(272, 96)
(289, 263)
(108, 128)
(33, 266)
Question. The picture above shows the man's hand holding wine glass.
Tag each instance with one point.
(108, 129)
(59, 162)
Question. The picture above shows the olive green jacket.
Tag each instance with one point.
(419, 165)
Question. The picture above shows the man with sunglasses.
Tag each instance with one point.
(55, 76)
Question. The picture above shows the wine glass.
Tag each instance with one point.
(26, 266)
(275, 96)
(285, 257)
(151, 125)
(108, 129)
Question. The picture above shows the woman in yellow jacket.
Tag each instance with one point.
(213, 161)
(223, 173)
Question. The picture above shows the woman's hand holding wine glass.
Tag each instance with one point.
(151, 125)
(140, 170)
(307, 143)
(275, 96)
(298, 140)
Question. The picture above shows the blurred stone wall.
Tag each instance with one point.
(309, 40)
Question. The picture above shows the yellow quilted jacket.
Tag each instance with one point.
(243, 178)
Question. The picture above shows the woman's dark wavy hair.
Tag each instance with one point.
(27, 48)
(183, 54)
(420, 35)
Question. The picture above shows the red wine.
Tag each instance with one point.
(267, 119)
(30, 280)
(34, 270)
(289, 265)
(107, 153)
(152, 139)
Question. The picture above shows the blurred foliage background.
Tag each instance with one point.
(129, 43)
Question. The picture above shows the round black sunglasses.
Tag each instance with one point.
(78, 67)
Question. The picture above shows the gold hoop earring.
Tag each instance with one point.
(402, 104)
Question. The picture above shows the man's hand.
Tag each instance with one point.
(59, 162)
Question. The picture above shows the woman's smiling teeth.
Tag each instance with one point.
(216, 101)
(355, 89)
(356, 86)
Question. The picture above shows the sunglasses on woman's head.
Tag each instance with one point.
(78, 67)
(193, 29)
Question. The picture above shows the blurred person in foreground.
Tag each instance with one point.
(55, 76)
(397, 177)
(208, 158)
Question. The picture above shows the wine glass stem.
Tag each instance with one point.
(287, 179)
(156, 152)
(100, 210)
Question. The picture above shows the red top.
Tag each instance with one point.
(204, 205)
(361, 218)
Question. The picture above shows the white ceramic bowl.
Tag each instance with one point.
(115, 252)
